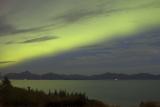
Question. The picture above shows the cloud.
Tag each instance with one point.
(33, 40)
(40, 39)
(76, 15)
(38, 28)
(104, 8)
(5, 62)
(71, 15)
(5, 28)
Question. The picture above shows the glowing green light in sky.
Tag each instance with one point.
(73, 30)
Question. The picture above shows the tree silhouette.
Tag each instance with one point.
(6, 82)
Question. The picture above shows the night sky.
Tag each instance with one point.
(80, 36)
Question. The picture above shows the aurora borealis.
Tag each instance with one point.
(42, 32)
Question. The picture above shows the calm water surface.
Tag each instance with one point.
(125, 93)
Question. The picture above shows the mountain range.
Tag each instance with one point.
(105, 76)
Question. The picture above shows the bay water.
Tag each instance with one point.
(126, 93)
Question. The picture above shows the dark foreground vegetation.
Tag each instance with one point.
(150, 104)
(11, 96)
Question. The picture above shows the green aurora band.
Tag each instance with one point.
(117, 19)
